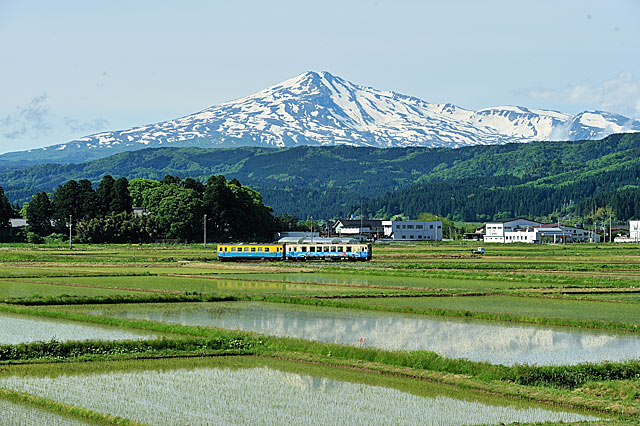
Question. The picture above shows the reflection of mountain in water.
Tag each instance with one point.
(495, 343)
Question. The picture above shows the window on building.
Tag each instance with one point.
(397, 226)
(430, 226)
(419, 226)
(404, 226)
(411, 237)
(419, 237)
(409, 226)
(404, 237)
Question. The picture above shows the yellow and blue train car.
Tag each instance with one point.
(244, 251)
(297, 250)
(328, 250)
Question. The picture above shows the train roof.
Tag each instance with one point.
(308, 240)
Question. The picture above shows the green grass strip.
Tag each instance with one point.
(66, 409)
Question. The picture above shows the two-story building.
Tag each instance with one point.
(495, 231)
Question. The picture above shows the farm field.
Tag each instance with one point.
(432, 328)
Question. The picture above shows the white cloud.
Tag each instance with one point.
(32, 119)
(620, 94)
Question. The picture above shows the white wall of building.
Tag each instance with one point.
(634, 230)
(412, 230)
(495, 231)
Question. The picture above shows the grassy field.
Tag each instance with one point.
(591, 286)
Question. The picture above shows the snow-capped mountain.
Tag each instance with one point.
(323, 109)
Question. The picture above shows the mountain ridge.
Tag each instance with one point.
(329, 181)
(322, 109)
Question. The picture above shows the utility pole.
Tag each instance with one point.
(610, 231)
(311, 229)
(436, 230)
(69, 232)
(205, 231)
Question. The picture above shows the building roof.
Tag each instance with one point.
(513, 219)
(355, 223)
(307, 240)
(18, 222)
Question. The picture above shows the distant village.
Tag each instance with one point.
(501, 231)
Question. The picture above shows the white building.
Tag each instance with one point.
(402, 230)
(495, 231)
(412, 230)
(551, 234)
(634, 230)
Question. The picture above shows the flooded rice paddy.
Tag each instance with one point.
(496, 343)
(19, 414)
(250, 391)
(16, 329)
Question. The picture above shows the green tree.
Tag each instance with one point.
(39, 213)
(137, 187)
(6, 211)
(67, 201)
(103, 194)
(179, 211)
(120, 197)
(219, 202)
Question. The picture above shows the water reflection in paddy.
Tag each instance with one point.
(497, 343)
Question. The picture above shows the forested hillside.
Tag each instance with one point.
(473, 183)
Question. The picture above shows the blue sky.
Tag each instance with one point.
(72, 68)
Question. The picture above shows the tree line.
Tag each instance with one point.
(170, 209)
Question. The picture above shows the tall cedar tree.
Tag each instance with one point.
(39, 214)
(6, 211)
(103, 194)
(120, 197)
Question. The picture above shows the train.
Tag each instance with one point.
(304, 249)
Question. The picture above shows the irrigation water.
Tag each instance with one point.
(263, 394)
(492, 342)
(16, 329)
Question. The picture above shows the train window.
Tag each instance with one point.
(266, 249)
(246, 249)
(259, 248)
(348, 248)
(319, 249)
(233, 249)
(333, 248)
(253, 249)
(340, 249)
(326, 249)
(312, 249)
